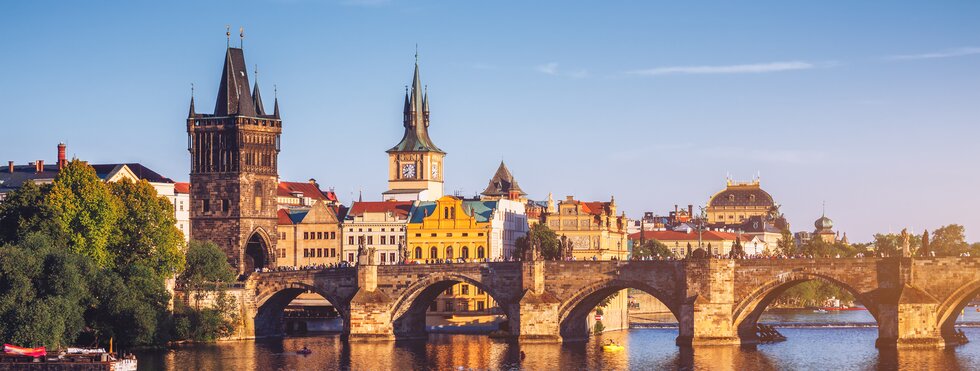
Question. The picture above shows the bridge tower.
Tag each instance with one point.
(234, 169)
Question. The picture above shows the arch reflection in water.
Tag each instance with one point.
(299, 309)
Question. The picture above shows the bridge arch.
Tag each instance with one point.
(408, 312)
(747, 312)
(950, 308)
(573, 313)
(271, 304)
(257, 252)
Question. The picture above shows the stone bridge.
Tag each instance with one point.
(716, 301)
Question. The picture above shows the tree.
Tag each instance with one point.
(25, 211)
(206, 263)
(949, 240)
(550, 245)
(146, 233)
(786, 244)
(44, 290)
(652, 248)
(131, 306)
(88, 211)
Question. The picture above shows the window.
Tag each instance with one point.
(465, 253)
(465, 289)
(350, 257)
(333, 252)
(480, 306)
(449, 291)
(333, 235)
(418, 235)
(384, 258)
(433, 235)
(306, 253)
(319, 235)
(449, 252)
(369, 229)
(418, 252)
(224, 205)
(350, 240)
(449, 306)
(181, 205)
(206, 206)
(466, 234)
(306, 235)
(480, 253)
(479, 234)
(449, 234)
(433, 253)
(370, 240)
(479, 291)
(384, 240)
(319, 253)
(392, 255)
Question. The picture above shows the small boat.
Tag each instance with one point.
(304, 351)
(820, 310)
(612, 347)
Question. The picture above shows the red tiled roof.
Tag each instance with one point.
(400, 208)
(594, 208)
(681, 236)
(286, 189)
(182, 187)
(283, 216)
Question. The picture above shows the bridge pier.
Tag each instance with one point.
(706, 315)
(908, 319)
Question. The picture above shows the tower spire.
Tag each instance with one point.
(191, 111)
(256, 96)
(275, 94)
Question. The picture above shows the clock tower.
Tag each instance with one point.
(415, 171)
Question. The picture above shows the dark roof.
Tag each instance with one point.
(502, 183)
(416, 120)
(141, 172)
(234, 97)
(742, 195)
(22, 173)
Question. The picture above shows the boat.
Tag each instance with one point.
(304, 351)
(68, 359)
(612, 347)
(820, 310)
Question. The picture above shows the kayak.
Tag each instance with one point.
(612, 347)
(304, 351)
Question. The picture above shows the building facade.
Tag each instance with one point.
(593, 228)
(377, 227)
(308, 235)
(415, 170)
(234, 170)
(737, 203)
(684, 243)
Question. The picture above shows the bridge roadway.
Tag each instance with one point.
(915, 301)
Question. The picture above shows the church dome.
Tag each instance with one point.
(743, 195)
(823, 223)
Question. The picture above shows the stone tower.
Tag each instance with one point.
(234, 170)
(415, 164)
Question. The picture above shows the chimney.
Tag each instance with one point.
(690, 211)
(10, 166)
(39, 166)
(61, 155)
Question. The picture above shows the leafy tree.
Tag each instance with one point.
(949, 240)
(25, 211)
(653, 248)
(146, 233)
(550, 244)
(88, 211)
(206, 263)
(44, 291)
(131, 306)
(786, 244)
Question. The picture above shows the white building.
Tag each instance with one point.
(379, 225)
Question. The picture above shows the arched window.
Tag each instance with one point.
(449, 252)
(445, 213)
(418, 252)
(453, 212)
(464, 252)
(480, 253)
(433, 253)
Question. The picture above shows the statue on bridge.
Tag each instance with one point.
(533, 250)
(403, 251)
(905, 244)
(365, 255)
(565, 248)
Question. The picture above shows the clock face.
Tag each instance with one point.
(435, 170)
(408, 171)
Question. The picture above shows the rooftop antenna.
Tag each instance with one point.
(192, 90)
(275, 91)
(228, 34)
(241, 37)
(416, 53)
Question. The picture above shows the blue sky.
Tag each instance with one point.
(870, 106)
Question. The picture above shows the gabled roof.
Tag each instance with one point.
(182, 187)
(482, 211)
(286, 189)
(502, 183)
(401, 209)
(140, 171)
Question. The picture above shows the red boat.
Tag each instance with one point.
(844, 308)
(21, 351)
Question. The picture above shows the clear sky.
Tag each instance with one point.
(871, 106)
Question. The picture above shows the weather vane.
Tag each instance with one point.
(241, 37)
(228, 34)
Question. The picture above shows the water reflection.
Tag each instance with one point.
(839, 348)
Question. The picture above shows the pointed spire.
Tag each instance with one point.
(256, 96)
(275, 94)
(425, 105)
(234, 97)
(360, 196)
(416, 118)
(191, 111)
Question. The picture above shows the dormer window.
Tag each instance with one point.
(731, 198)
(751, 198)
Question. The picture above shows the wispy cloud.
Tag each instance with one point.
(725, 69)
(552, 69)
(958, 52)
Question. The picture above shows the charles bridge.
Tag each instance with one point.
(915, 301)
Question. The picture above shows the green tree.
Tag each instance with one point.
(131, 306)
(949, 240)
(206, 263)
(786, 244)
(44, 291)
(88, 211)
(550, 244)
(146, 233)
(653, 248)
(25, 211)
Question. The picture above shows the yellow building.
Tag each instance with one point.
(455, 230)
(593, 228)
(308, 235)
(738, 202)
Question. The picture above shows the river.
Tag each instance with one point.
(846, 345)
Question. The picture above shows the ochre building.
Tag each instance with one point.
(593, 228)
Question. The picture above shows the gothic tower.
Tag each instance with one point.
(234, 170)
(415, 164)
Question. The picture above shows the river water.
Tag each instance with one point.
(848, 345)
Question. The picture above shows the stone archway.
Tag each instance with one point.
(747, 312)
(950, 309)
(256, 254)
(270, 321)
(408, 314)
(574, 312)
